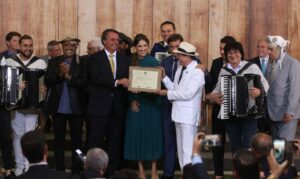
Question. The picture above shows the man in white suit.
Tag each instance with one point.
(185, 92)
(283, 73)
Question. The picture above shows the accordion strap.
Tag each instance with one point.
(245, 67)
(19, 61)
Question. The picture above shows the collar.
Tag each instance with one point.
(230, 66)
(18, 55)
(266, 58)
(191, 65)
(108, 53)
(165, 44)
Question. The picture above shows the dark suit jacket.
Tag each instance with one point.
(43, 172)
(76, 85)
(104, 96)
(256, 60)
(6, 55)
(158, 47)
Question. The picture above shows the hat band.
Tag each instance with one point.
(184, 51)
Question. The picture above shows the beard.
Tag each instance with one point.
(27, 54)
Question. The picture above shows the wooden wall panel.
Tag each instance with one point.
(162, 11)
(182, 19)
(67, 22)
(279, 18)
(48, 24)
(30, 12)
(142, 18)
(124, 16)
(86, 18)
(199, 24)
(202, 22)
(11, 16)
(238, 22)
(217, 27)
(260, 22)
(105, 12)
(2, 41)
(294, 28)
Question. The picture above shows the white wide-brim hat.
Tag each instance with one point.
(186, 49)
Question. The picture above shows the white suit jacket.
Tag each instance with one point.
(186, 95)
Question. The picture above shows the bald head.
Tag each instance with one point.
(262, 48)
(94, 46)
(261, 144)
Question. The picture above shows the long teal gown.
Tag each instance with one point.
(143, 135)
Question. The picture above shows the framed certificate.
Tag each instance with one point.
(144, 79)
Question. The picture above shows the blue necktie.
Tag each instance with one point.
(263, 66)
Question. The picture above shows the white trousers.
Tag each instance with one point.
(21, 123)
(185, 134)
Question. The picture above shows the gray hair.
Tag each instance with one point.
(96, 159)
(96, 42)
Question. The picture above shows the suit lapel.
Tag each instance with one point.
(104, 62)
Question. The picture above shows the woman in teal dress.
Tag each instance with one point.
(143, 136)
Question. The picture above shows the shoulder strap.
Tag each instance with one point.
(19, 61)
(229, 70)
(245, 67)
(34, 59)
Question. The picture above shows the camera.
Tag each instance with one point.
(80, 155)
(211, 140)
(279, 150)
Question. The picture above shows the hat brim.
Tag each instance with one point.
(70, 40)
(188, 54)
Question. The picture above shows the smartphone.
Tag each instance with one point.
(279, 150)
(213, 140)
(80, 155)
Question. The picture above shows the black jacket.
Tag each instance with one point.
(76, 85)
(43, 172)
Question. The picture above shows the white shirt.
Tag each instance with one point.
(236, 70)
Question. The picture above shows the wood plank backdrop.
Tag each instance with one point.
(201, 22)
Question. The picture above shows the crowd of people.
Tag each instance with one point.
(146, 126)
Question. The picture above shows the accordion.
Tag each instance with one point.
(237, 102)
(31, 95)
(9, 90)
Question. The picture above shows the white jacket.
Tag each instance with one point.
(186, 95)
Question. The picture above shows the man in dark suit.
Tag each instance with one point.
(108, 77)
(35, 149)
(262, 60)
(218, 126)
(65, 78)
(167, 28)
(170, 66)
(262, 51)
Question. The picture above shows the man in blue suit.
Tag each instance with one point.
(170, 65)
(167, 28)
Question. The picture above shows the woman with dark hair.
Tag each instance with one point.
(240, 130)
(143, 136)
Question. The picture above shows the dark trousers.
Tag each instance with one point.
(59, 129)
(218, 127)
(169, 140)
(106, 132)
(240, 132)
(5, 139)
